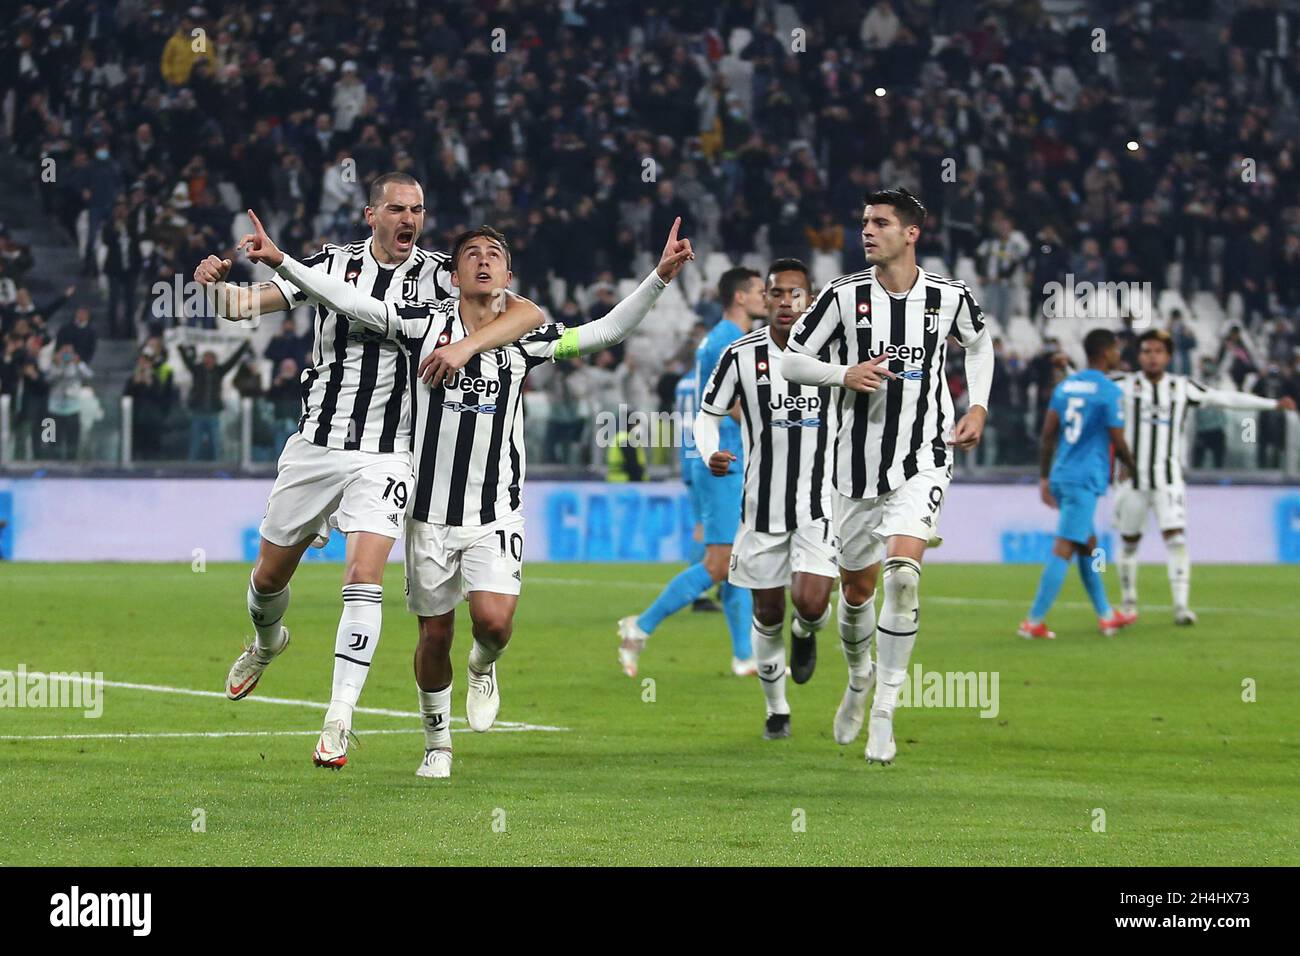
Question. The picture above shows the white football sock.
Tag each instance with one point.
(481, 657)
(769, 653)
(354, 647)
(857, 624)
(266, 612)
(435, 713)
(1128, 572)
(802, 628)
(1180, 570)
(899, 622)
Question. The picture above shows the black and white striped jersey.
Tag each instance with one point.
(887, 436)
(789, 432)
(469, 431)
(356, 393)
(1155, 422)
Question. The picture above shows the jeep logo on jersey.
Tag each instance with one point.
(802, 402)
(907, 353)
(487, 387)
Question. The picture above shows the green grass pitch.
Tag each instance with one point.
(1149, 727)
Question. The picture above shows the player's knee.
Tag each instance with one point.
(715, 562)
(493, 627)
(266, 580)
(857, 591)
(767, 611)
(902, 593)
(1176, 540)
(810, 607)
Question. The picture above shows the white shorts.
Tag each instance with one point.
(863, 525)
(317, 489)
(761, 559)
(445, 562)
(1132, 507)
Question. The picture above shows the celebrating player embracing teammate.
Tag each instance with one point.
(465, 531)
(349, 464)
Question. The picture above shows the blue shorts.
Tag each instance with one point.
(718, 501)
(1077, 504)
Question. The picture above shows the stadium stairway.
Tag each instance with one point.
(56, 266)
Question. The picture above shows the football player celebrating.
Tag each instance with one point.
(349, 464)
(785, 529)
(465, 530)
(886, 332)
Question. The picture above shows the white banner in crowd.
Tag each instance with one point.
(74, 519)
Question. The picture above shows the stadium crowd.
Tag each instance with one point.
(581, 132)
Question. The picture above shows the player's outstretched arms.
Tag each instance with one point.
(520, 317)
(810, 370)
(1047, 451)
(237, 302)
(319, 286)
(619, 323)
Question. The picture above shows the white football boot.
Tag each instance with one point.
(631, 642)
(1184, 617)
(483, 699)
(880, 738)
(247, 669)
(745, 668)
(332, 747)
(852, 710)
(436, 765)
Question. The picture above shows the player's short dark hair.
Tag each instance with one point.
(732, 281)
(482, 232)
(1096, 342)
(790, 264)
(1157, 335)
(376, 195)
(909, 209)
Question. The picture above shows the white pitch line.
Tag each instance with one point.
(936, 599)
(286, 701)
(130, 735)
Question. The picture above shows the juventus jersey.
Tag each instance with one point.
(887, 436)
(1155, 418)
(356, 393)
(469, 432)
(788, 431)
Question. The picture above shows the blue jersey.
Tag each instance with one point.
(684, 404)
(706, 360)
(1089, 405)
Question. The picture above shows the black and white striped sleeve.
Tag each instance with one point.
(721, 390)
(820, 324)
(969, 320)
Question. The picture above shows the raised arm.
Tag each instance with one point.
(1242, 401)
(618, 323)
(336, 294)
(237, 302)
